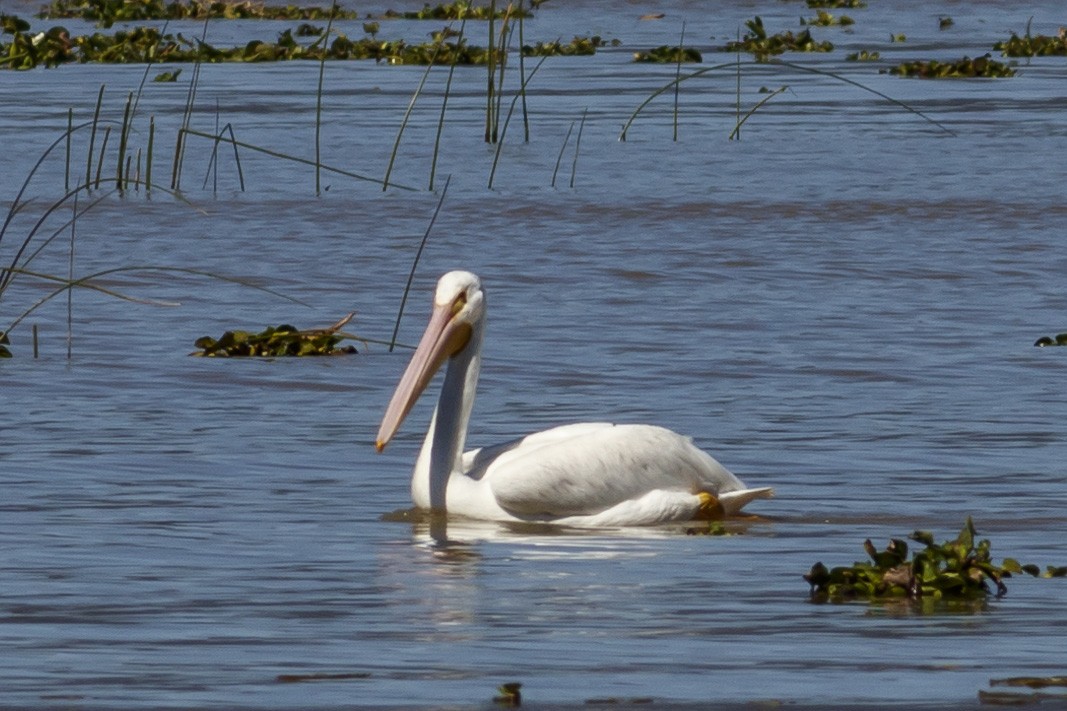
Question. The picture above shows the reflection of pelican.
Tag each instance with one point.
(587, 474)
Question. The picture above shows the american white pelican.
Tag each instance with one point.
(587, 474)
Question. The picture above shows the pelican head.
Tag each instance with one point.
(454, 331)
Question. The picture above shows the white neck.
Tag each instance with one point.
(442, 450)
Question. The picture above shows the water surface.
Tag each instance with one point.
(842, 304)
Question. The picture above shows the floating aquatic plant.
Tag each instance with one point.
(4, 343)
(142, 45)
(460, 10)
(763, 46)
(954, 571)
(666, 54)
(825, 19)
(835, 4)
(1033, 45)
(280, 341)
(107, 12)
(1060, 339)
(983, 67)
(579, 46)
(509, 694)
(1016, 698)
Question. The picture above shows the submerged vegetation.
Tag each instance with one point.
(958, 570)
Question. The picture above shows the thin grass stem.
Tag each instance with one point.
(444, 103)
(677, 76)
(66, 162)
(490, 65)
(70, 276)
(92, 136)
(124, 133)
(736, 133)
(295, 159)
(318, 100)
(148, 155)
(414, 264)
(100, 160)
(562, 149)
(507, 120)
(407, 115)
(522, 75)
(777, 62)
(577, 148)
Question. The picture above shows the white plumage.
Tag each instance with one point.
(586, 474)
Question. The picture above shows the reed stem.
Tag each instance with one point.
(677, 76)
(92, 137)
(577, 148)
(66, 168)
(444, 103)
(415, 263)
(124, 133)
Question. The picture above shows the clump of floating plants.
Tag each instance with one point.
(669, 55)
(762, 46)
(275, 342)
(959, 570)
(107, 12)
(983, 67)
(1016, 698)
(460, 10)
(825, 19)
(848, 4)
(509, 695)
(863, 56)
(1060, 339)
(150, 45)
(1033, 46)
(579, 46)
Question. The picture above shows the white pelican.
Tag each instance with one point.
(586, 474)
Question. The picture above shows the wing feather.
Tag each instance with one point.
(588, 468)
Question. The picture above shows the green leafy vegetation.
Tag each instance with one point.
(275, 342)
(107, 12)
(763, 46)
(837, 4)
(983, 67)
(578, 46)
(459, 10)
(4, 343)
(825, 19)
(863, 56)
(509, 695)
(150, 45)
(666, 54)
(1033, 46)
(959, 570)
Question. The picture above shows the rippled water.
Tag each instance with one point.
(842, 305)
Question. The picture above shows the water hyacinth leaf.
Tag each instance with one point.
(277, 341)
(954, 571)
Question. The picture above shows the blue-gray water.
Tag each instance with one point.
(842, 304)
